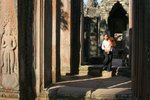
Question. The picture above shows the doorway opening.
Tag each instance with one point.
(117, 20)
(98, 19)
(96, 22)
(118, 27)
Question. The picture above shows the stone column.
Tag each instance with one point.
(137, 48)
(141, 49)
(52, 42)
(75, 35)
(129, 33)
(82, 33)
(65, 34)
(130, 14)
(146, 50)
(39, 44)
(55, 40)
(9, 68)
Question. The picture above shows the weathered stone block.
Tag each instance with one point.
(107, 74)
(93, 70)
(112, 94)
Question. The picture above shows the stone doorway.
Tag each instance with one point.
(112, 17)
(118, 26)
(117, 20)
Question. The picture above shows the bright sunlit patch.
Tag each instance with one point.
(120, 84)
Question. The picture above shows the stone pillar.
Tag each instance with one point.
(47, 43)
(82, 33)
(39, 44)
(54, 28)
(55, 40)
(141, 49)
(75, 35)
(146, 50)
(65, 34)
(129, 31)
(26, 50)
(130, 14)
(136, 62)
(9, 68)
(52, 40)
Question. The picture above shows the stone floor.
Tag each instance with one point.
(87, 87)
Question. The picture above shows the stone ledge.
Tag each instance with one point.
(96, 70)
(93, 70)
(8, 98)
(107, 74)
(112, 94)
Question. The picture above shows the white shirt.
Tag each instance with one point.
(106, 46)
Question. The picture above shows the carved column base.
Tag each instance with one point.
(7, 95)
(9, 81)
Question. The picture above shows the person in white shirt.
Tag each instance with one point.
(107, 50)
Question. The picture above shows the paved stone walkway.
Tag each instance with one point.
(81, 87)
(89, 88)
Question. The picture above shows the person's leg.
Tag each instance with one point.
(110, 56)
(105, 62)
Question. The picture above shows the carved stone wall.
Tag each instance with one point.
(8, 45)
(92, 3)
(104, 8)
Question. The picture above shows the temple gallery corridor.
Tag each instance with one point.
(52, 49)
(88, 80)
(94, 83)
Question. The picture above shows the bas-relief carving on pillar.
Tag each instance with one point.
(8, 44)
(8, 62)
(8, 47)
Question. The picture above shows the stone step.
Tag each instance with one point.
(112, 94)
(107, 74)
(78, 93)
(97, 71)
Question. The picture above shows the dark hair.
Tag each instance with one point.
(105, 34)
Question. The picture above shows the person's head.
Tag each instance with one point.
(105, 36)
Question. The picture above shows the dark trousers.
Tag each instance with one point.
(108, 61)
